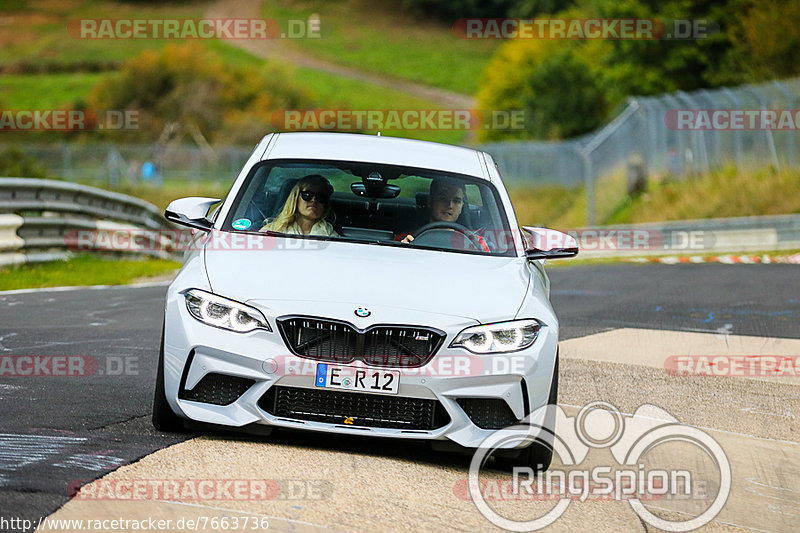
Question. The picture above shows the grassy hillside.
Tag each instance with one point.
(338, 92)
(34, 33)
(44, 67)
(724, 193)
(45, 91)
(380, 37)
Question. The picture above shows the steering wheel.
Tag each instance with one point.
(471, 237)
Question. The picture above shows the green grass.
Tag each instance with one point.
(329, 91)
(723, 193)
(542, 206)
(45, 91)
(336, 92)
(384, 39)
(83, 270)
(38, 35)
(161, 197)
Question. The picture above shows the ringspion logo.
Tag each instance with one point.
(635, 476)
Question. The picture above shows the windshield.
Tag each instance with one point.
(372, 203)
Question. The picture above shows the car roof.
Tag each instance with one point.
(378, 149)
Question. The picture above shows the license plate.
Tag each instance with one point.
(357, 379)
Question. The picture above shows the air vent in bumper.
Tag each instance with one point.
(217, 389)
(358, 409)
(488, 413)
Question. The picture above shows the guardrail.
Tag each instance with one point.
(37, 217)
(44, 220)
(691, 237)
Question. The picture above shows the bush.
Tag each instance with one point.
(188, 86)
(14, 163)
(766, 40)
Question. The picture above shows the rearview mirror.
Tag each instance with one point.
(544, 243)
(375, 191)
(191, 212)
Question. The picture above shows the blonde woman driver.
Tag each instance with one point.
(304, 212)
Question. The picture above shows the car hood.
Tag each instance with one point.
(318, 275)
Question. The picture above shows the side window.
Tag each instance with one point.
(249, 211)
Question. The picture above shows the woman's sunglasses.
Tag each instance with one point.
(308, 195)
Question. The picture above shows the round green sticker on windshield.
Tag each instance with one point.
(241, 223)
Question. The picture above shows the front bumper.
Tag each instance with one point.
(193, 351)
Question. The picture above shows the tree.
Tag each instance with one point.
(766, 40)
(567, 85)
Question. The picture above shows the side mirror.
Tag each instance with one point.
(191, 212)
(544, 243)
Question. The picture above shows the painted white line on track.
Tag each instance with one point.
(766, 413)
(17, 451)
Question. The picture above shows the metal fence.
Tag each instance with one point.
(112, 164)
(638, 144)
(645, 141)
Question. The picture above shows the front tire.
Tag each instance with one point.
(164, 419)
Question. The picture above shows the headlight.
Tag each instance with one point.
(498, 338)
(223, 313)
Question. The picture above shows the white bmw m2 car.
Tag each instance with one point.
(362, 285)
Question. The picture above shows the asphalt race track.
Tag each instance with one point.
(617, 321)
